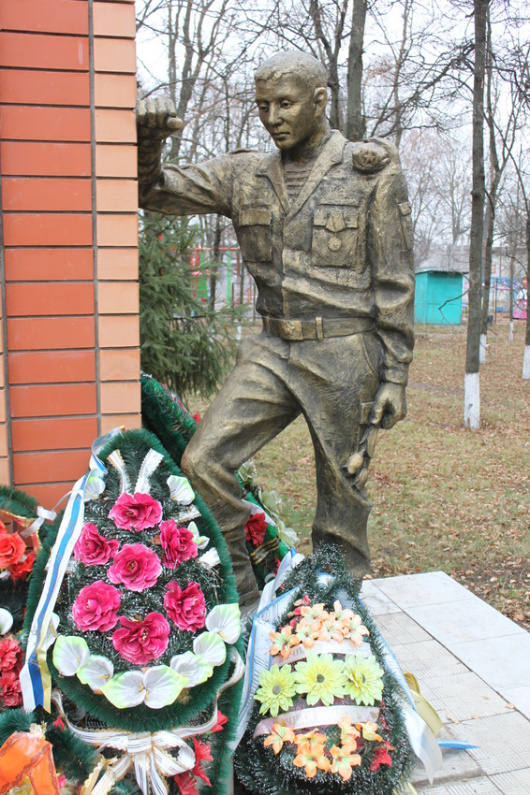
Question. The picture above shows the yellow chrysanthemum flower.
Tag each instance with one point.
(364, 679)
(276, 691)
(321, 678)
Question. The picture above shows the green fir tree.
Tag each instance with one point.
(184, 343)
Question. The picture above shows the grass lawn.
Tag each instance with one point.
(445, 498)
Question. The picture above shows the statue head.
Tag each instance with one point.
(291, 96)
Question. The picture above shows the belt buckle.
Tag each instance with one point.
(291, 330)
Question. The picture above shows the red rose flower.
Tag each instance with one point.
(139, 642)
(185, 607)
(136, 567)
(22, 568)
(255, 529)
(93, 549)
(10, 655)
(136, 512)
(10, 690)
(96, 607)
(177, 543)
(11, 549)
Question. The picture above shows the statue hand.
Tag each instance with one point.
(390, 405)
(157, 119)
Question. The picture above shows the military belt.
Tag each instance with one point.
(317, 329)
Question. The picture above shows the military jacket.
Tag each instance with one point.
(342, 249)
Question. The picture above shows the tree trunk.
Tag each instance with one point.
(355, 120)
(488, 251)
(216, 259)
(526, 356)
(472, 385)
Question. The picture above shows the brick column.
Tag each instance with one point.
(69, 248)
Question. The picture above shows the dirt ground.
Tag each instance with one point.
(445, 498)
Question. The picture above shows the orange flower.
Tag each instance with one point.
(306, 633)
(369, 730)
(312, 753)
(348, 732)
(344, 760)
(280, 734)
(282, 642)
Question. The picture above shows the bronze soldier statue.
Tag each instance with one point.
(325, 230)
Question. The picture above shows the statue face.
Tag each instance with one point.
(289, 111)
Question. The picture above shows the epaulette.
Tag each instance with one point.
(242, 151)
(369, 157)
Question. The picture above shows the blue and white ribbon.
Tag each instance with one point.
(35, 679)
(258, 655)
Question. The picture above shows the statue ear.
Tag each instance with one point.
(321, 99)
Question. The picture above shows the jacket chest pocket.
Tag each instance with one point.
(335, 236)
(255, 233)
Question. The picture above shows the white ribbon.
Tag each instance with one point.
(42, 516)
(116, 459)
(147, 752)
(149, 465)
(345, 647)
(319, 716)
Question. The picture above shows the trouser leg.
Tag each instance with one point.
(252, 407)
(336, 381)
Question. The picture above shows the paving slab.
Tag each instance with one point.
(521, 697)
(478, 786)
(428, 659)
(457, 766)
(503, 742)
(414, 590)
(473, 665)
(502, 662)
(464, 696)
(516, 783)
(399, 628)
(464, 620)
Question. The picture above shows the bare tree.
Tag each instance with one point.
(502, 138)
(472, 383)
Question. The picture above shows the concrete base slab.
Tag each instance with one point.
(473, 665)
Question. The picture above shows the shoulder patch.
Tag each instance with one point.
(369, 157)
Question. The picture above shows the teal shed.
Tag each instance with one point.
(438, 298)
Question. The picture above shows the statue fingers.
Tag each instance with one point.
(157, 117)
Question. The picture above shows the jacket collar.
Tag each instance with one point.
(272, 168)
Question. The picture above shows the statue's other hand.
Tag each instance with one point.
(156, 118)
(390, 405)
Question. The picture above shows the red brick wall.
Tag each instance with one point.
(69, 333)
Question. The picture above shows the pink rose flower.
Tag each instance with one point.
(93, 549)
(139, 642)
(10, 690)
(185, 607)
(96, 607)
(136, 567)
(177, 543)
(136, 512)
